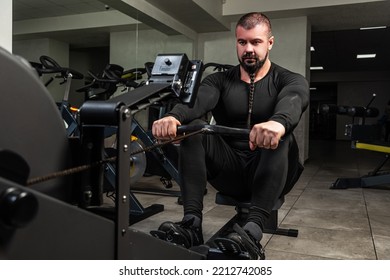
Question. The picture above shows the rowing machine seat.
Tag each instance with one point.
(242, 208)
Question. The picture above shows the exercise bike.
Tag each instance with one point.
(48, 65)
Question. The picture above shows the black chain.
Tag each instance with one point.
(251, 97)
(85, 167)
(69, 171)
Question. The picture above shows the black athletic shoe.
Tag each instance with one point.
(181, 233)
(240, 242)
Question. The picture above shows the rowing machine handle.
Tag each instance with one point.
(214, 129)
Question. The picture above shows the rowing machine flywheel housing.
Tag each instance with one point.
(31, 124)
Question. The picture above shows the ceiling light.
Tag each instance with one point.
(373, 27)
(312, 49)
(313, 88)
(370, 55)
(316, 68)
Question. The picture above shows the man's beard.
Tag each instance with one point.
(254, 66)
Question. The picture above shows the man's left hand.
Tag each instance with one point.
(266, 135)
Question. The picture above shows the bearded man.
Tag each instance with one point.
(256, 94)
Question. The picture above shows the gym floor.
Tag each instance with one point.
(336, 224)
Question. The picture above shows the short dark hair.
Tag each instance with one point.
(250, 20)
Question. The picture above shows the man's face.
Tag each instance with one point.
(253, 46)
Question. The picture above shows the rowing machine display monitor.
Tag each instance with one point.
(183, 74)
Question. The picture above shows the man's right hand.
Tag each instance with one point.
(165, 128)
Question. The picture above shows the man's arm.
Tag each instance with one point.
(206, 100)
(166, 128)
(292, 101)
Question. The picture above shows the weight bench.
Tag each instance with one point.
(374, 178)
(366, 137)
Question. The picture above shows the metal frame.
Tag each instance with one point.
(372, 179)
(366, 137)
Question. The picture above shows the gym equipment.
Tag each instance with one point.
(334, 109)
(49, 66)
(99, 89)
(242, 208)
(362, 112)
(366, 137)
(217, 67)
(55, 219)
(102, 86)
(185, 75)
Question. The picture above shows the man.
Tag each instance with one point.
(256, 94)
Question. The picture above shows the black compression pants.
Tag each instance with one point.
(259, 175)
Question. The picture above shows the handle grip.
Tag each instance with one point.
(214, 129)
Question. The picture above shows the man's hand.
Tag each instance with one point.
(165, 128)
(266, 135)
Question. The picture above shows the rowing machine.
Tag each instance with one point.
(62, 225)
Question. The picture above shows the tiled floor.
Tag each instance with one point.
(349, 223)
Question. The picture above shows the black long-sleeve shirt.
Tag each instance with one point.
(280, 96)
